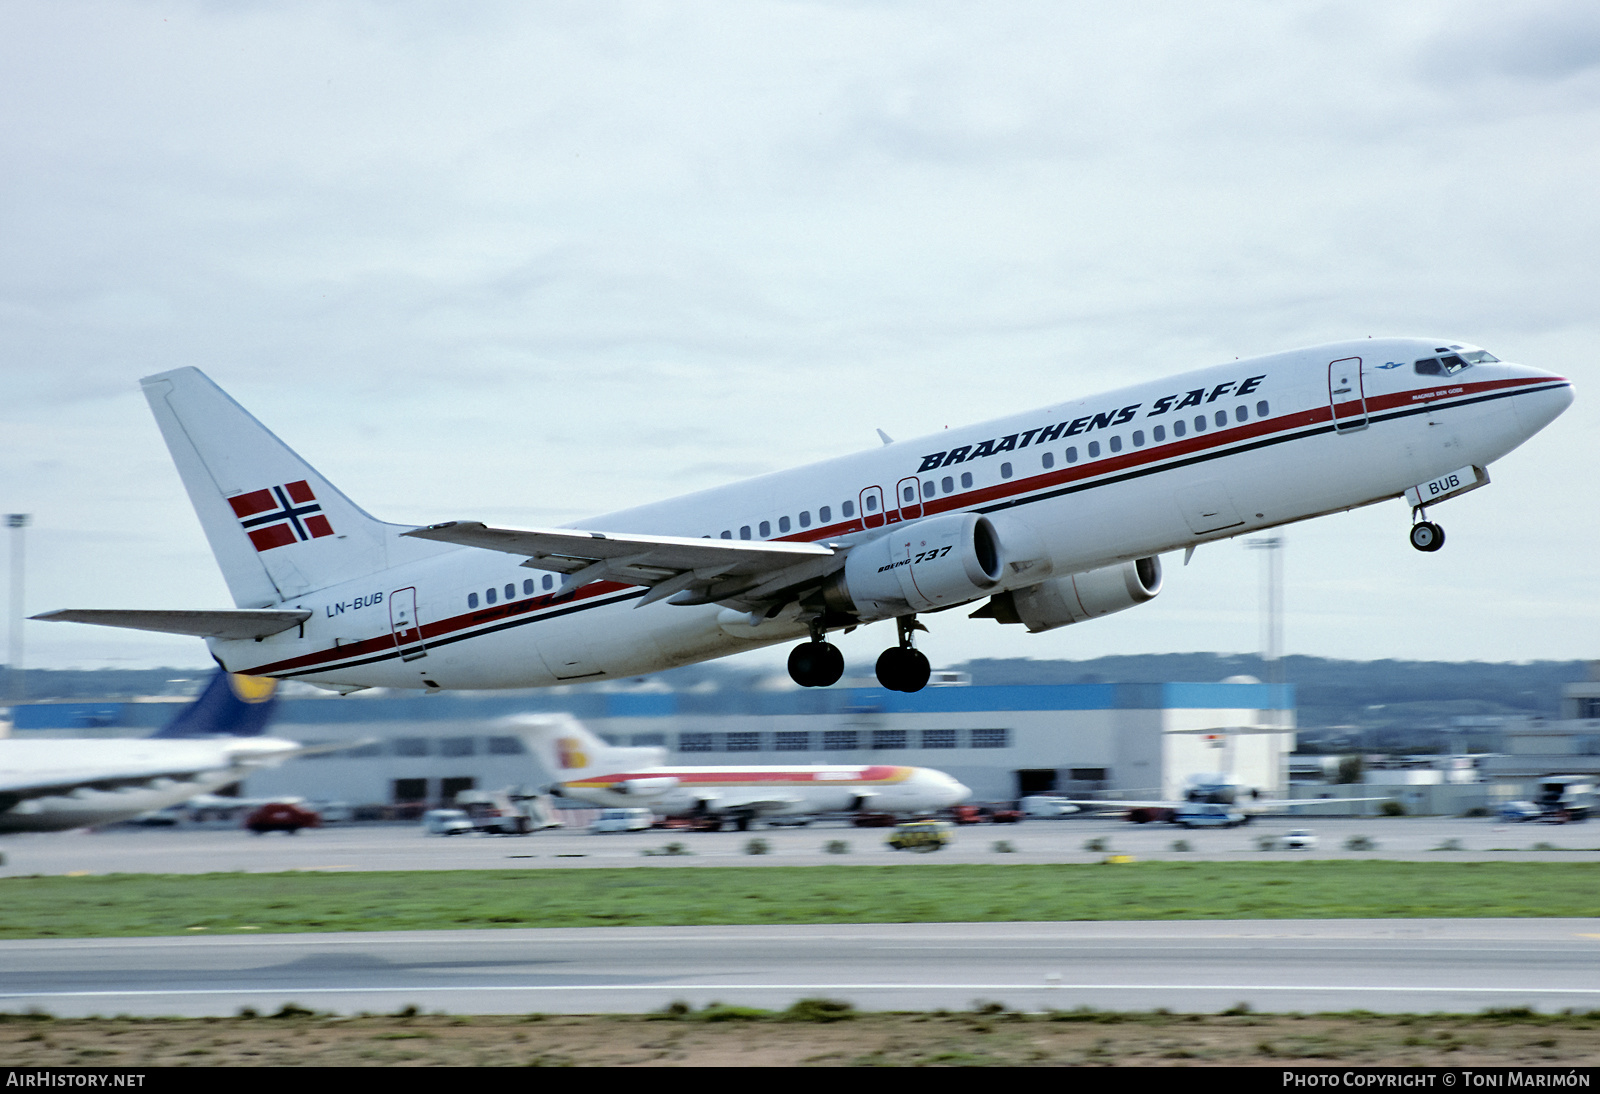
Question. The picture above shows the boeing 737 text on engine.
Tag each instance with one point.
(1051, 517)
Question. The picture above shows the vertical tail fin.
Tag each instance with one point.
(277, 528)
(230, 706)
(567, 751)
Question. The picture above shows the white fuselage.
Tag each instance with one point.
(52, 785)
(801, 789)
(1092, 482)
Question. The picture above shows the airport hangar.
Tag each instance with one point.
(1004, 742)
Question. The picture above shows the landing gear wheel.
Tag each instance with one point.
(1427, 536)
(816, 664)
(902, 668)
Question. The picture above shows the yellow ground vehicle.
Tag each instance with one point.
(925, 835)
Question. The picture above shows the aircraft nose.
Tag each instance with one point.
(958, 792)
(1537, 409)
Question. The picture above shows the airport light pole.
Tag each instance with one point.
(1272, 627)
(17, 522)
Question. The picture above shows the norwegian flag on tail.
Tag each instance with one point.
(281, 515)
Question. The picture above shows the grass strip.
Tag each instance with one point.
(120, 905)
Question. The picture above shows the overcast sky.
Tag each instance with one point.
(526, 262)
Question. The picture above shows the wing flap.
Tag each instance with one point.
(695, 570)
(236, 623)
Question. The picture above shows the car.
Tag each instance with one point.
(623, 820)
(1300, 839)
(925, 835)
(1209, 815)
(447, 822)
(1519, 811)
(281, 817)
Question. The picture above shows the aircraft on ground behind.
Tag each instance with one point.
(48, 785)
(1212, 799)
(586, 768)
(1053, 517)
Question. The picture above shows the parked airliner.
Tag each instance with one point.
(586, 768)
(52, 784)
(1052, 517)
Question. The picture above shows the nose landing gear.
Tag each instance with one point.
(1425, 535)
(903, 667)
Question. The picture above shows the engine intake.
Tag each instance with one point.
(1076, 597)
(918, 567)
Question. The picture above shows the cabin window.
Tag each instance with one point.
(1094, 449)
(488, 596)
(947, 484)
(1179, 428)
(909, 494)
(1048, 460)
(744, 531)
(1262, 411)
(966, 480)
(726, 534)
(527, 586)
(1241, 414)
(825, 514)
(1222, 418)
(549, 582)
(1116, 444)
(1072, 455)
(872, 503)
(511, 592)
(1200, 423)
(805, 518)
(848, 509)
(1158, 434)
(1005, 471)
(766, 529)
(1138, 438)
(783, 524)
(472, 600)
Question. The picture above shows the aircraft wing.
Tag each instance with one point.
(691, 571)
(235, 623)
(761, 802)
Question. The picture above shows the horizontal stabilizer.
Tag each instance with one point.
(237, 623)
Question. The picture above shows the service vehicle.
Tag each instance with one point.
(922, 835)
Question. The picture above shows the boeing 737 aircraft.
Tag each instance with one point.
(588, 769)
(54, 784)
(1052, 517)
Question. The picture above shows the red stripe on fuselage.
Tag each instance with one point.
(1217, 437)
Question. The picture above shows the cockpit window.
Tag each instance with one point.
(1448, 364)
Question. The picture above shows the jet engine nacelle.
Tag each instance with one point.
(1077, 597)
(648, 787)
(919, 566)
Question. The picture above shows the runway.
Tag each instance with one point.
(195, 850)
(1395, 966)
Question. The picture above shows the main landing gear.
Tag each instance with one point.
(1425, 535)
(817, 663)
(903, 667)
